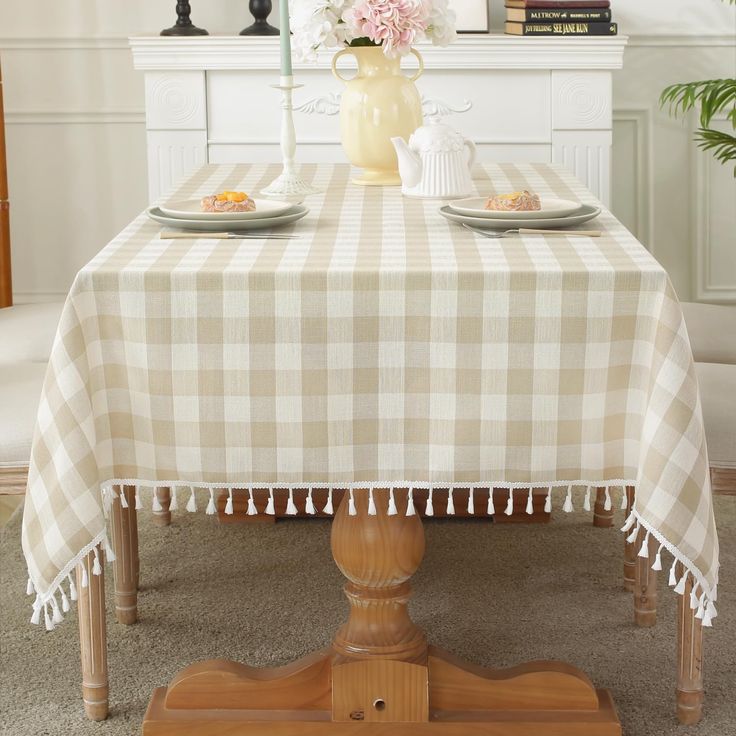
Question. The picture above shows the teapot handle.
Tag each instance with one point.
(471, 152)
(336, 73)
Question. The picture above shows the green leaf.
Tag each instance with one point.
(721, 144)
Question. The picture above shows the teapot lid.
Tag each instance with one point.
(436, 136)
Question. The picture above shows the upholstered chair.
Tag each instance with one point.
(712, 331)
(26, 334)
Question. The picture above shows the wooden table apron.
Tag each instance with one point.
(380, 676)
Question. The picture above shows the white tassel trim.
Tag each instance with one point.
(392, 510)
(586, 502)
(192, 502)
(96, 567)
(510, 503)
(608, 505)
(410, 510)
(450, 503)
(491, 510)
(644, 550)
(155, 503)
(309, 504)
(471, 501)
(138, 502)
(109, 554)
(429, 510)
(229, 503)
(123, 497)
(371, 503)
(211, 509)
(548, 501)
(658, 559)
(529, 503)
(351, 503)
(174, 503)
(567, 507)
(624, 500)
(291, 509)
(270, 506)
(30, 590)
(329, 509)
(252, 510)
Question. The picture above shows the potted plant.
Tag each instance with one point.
(712, 96)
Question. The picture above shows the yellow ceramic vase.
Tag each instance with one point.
(378, 103)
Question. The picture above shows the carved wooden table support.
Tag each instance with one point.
(124, 534)
(380, 677)
(163, 517)
(601, 516)
(93, 639)
(689, 658)
(630, 548)
(645, 583)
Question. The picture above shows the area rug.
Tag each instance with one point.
(497, 595)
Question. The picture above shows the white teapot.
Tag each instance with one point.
(435, 163)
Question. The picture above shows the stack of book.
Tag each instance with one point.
(560, 18)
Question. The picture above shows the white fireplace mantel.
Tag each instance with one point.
(520, 99)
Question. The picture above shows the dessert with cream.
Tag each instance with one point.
(515, 202)
(228, 202)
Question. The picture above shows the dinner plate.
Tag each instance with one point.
(296, 212)
(191, 209)
(551, 207)
(586, 212)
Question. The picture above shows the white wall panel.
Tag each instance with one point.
(75, 113)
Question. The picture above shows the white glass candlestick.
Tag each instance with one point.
(288, 185)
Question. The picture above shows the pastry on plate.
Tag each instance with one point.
(228, 202)
(515, 202)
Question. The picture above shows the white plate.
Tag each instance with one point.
(191, 209)
(586, 212)
(475, 207)
(296, 212)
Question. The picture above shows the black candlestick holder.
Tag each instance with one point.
(183, 26)
(260, 10)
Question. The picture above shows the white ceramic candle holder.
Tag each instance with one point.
(288, 185)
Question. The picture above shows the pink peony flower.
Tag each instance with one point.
(394, 24)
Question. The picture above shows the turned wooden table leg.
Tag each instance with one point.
(601, 516)
(630, 549)
(124, 532)
(689, 658)
(93, 639)
(163, 517)
(645, 584)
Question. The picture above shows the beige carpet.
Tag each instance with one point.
(497, 595)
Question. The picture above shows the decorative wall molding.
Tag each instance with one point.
(682, 40)
(75, 117)
(64, 43)
(641, 119)
(703, 233)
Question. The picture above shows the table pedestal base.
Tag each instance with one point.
(380, 678)
(314, 696)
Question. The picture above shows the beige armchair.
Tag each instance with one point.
(712, 331)
(26, 334)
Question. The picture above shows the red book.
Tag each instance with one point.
(558, 3)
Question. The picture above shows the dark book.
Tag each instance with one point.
(558, 4)
(562, 29)
(542, 15)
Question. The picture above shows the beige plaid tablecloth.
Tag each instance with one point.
(386, 346)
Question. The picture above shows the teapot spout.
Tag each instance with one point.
(410, 165)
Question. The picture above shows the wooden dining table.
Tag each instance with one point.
(399, 359)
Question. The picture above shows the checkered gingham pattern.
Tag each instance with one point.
(384, 346)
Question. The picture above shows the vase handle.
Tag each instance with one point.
(419, 71)
(335, 72)
(471, 152)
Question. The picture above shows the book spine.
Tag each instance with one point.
(584, 14)
(562, 29)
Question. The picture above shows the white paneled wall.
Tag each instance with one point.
(76, 132)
